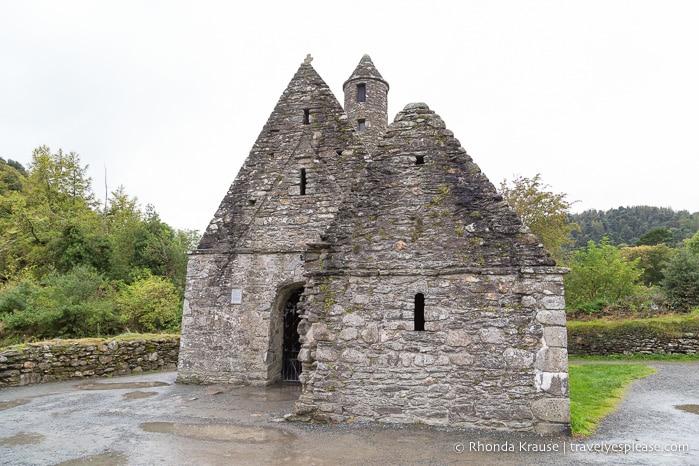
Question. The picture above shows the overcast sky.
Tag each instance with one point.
(599, 97)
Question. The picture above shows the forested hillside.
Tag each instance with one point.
(73, 266)
(626, 225)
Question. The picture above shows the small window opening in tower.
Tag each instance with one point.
(420, 312)
(362, 125)
(303, 182)
(361, 92)
(306, 116)
(419, 160)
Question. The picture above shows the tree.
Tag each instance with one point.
(544, 212)
(69, 267)
(54, 213)
(655, 236)
(76, 304)
(600, 277)
(12, 176)
(59, 181)
(628, 224)
(692, 244)
(681, 283)
(150, 304)
(652, 259)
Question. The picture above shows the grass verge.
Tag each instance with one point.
(597, 389)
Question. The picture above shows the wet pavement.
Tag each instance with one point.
(150, 420)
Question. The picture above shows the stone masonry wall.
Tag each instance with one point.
(236, 339)
(493, 353)
(424, 222)
(631, 344)
(249, 259)
(64, 360)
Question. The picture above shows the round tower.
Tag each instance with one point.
(366, 102)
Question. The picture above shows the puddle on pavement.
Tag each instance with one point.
(111, 458)
(284, 393)
(119, 385)
(12, 404)
(694, 409)
(22, 438)
(138, 395)
(220, 432)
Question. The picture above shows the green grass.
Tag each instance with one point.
(597, 389)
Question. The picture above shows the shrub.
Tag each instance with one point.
(652, 259)
(150, 304)
(599, 276)
(75, 304)
(681, 283)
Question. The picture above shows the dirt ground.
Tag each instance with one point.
(150, 420)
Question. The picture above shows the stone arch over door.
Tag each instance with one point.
(283, 333)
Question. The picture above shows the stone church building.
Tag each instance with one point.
(376, 265)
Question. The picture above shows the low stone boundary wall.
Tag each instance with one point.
(579, 345)
(57, 360)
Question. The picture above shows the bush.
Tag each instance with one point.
(71, 305)
(652, 259)
(681, 283)
(599, 277)
(150, 304)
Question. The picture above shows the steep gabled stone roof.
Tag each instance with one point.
(424, 204)
(263, 208)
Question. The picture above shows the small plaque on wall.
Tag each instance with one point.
(236, 296)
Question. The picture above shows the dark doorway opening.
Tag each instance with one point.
(291, 366)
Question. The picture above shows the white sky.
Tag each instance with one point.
(600, 97)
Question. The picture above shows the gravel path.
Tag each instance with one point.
(148, 419)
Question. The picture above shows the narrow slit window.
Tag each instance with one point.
(306, 116)
(361, 92)
(362, 125)
(303, 182)
(420, 312)
(419, 160)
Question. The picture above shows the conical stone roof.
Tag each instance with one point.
(365, 70)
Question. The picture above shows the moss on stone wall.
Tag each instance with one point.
(665, 335)
(57, 360)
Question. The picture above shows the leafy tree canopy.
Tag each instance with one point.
(651, 259)
(543, 211)
(626, 225)
(660, 235)
(599, 277)
(66, 259)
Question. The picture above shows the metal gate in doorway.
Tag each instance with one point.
(291, 366)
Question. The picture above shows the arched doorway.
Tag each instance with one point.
(291, 345)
